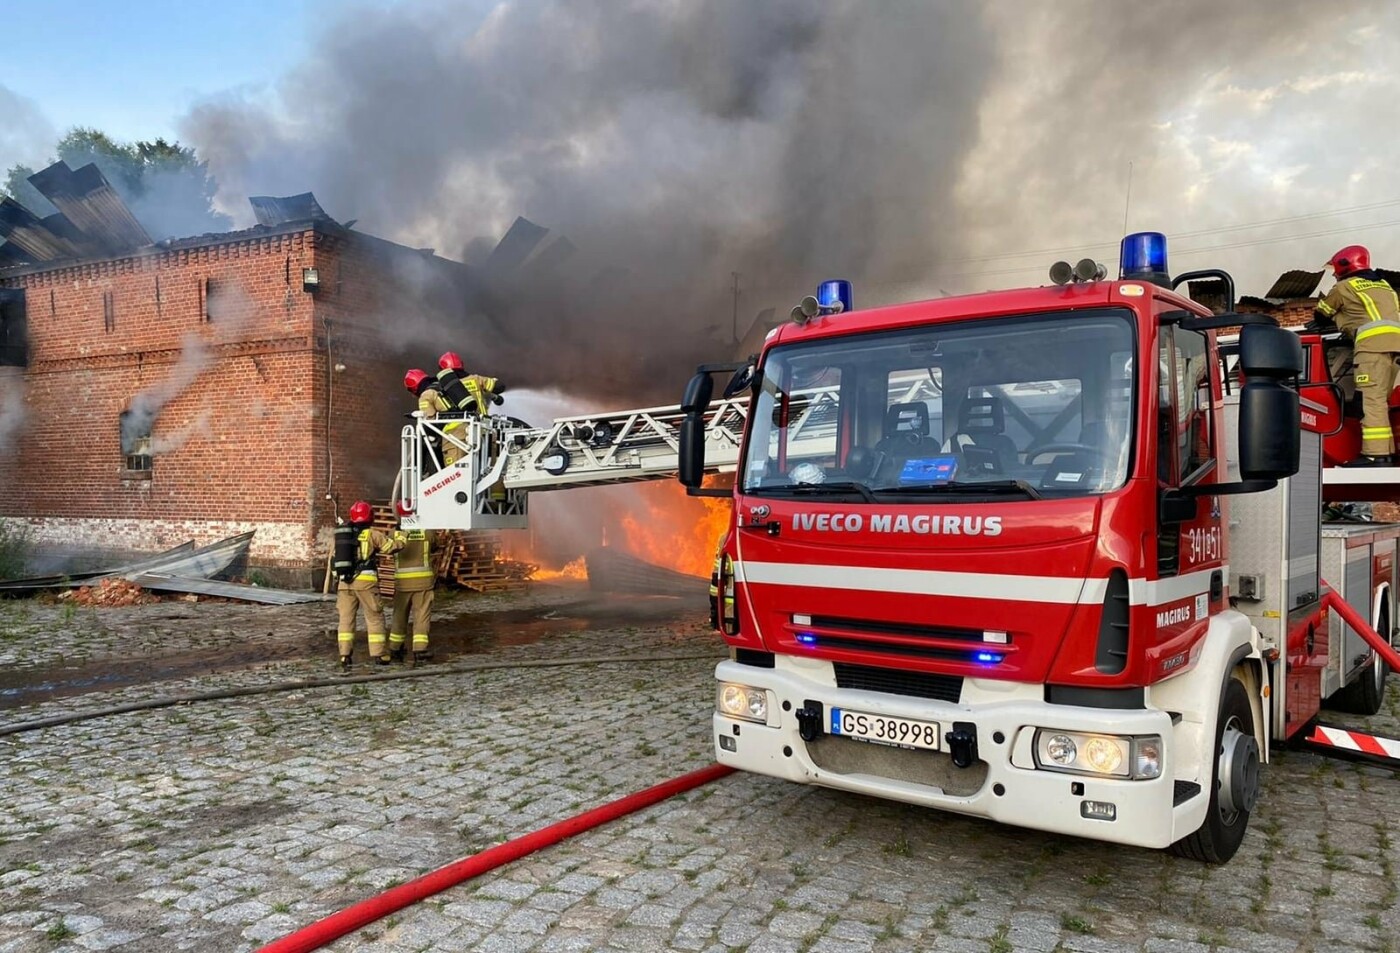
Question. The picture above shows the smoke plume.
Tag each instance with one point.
(673, 144)
(12, 389)
(230, 310)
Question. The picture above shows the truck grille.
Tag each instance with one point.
(947, 688)
(890, 638)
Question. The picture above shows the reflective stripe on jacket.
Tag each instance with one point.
(413, 570)
(1367, 310)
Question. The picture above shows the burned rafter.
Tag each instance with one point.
(272, 211)
(26, 231)
(89, 202)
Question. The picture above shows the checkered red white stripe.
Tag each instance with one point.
(1355, 741)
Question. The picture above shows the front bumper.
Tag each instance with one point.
(1002, 785)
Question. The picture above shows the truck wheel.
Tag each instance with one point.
(1234, 783)
(1364, 696)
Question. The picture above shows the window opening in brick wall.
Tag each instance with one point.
(136, 445)
(14, 329)
(109, 312)
(206, 291)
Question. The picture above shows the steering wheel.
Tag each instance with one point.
(1097, 452)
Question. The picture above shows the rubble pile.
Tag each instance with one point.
(111, 592)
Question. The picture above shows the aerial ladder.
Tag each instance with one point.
(503, 461)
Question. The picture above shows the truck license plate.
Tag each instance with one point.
(885, 730)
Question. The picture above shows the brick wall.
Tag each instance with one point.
(226, 332)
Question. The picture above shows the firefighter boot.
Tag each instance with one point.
(345, 665)
(382, 659)
(420, 658)
(1365, 461)
(398, 652)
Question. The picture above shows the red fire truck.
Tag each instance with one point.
(1049, 556)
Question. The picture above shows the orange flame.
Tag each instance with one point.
(668, 528)
(574, 570)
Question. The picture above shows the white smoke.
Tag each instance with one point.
(25, 134)
(230, 311)
(12, 393)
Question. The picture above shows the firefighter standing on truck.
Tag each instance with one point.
(432, 404)
(1364, 307)
(359, 583)
(414, 578)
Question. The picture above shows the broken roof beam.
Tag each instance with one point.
(23, 229)
(273, 211)
(89, 202)
(522, 238)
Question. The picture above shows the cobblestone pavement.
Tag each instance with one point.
(224, 825)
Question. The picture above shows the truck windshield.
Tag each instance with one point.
(1028, 406)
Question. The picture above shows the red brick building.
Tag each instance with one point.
(200, 387)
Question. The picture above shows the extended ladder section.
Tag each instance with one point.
(501, 462)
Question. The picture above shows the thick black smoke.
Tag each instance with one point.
(671, 144)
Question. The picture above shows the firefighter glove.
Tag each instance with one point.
(497, 399)
(1320, 322)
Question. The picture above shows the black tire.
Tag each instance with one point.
(1364, 696)
(1222, 832)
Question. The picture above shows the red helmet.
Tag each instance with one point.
(1350, 260)
(451, 359)
(360, 512)
(413, 379)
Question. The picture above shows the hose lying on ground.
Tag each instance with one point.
(327, 930)
(216, 694)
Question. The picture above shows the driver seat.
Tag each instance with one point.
(982, 432)
(906, 429)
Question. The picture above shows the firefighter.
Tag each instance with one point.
(472, 393)
(432, 404)
(361, 589)
(414, 578)
(1364, 307)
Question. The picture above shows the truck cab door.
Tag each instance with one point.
(1189, 397)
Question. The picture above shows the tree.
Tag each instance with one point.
(165, 185)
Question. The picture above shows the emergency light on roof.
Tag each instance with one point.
(1143, 257)
(835, 296)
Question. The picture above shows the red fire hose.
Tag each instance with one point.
(318, 934)
(1337, 604)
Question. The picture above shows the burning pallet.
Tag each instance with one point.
(468, 560)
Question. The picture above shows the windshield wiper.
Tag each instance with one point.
(816, 489)
(956, 486)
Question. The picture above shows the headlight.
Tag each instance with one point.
(741, 701)
(1139, 758)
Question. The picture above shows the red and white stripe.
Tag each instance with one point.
(1355, 741)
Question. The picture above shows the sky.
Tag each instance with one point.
(133, 69)
(1256, 134)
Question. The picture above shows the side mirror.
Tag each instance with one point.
(1321, 408)
(1270, 433)
(691, 471)
(742, 380)
(1175, 507)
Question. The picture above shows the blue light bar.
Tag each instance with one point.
(1143, 257)
(835, 296)
(988, 658)
(806, 638)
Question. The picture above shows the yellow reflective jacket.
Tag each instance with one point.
(1367, 310)
(413, 567)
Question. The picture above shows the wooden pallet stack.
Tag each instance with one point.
(467, 560)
